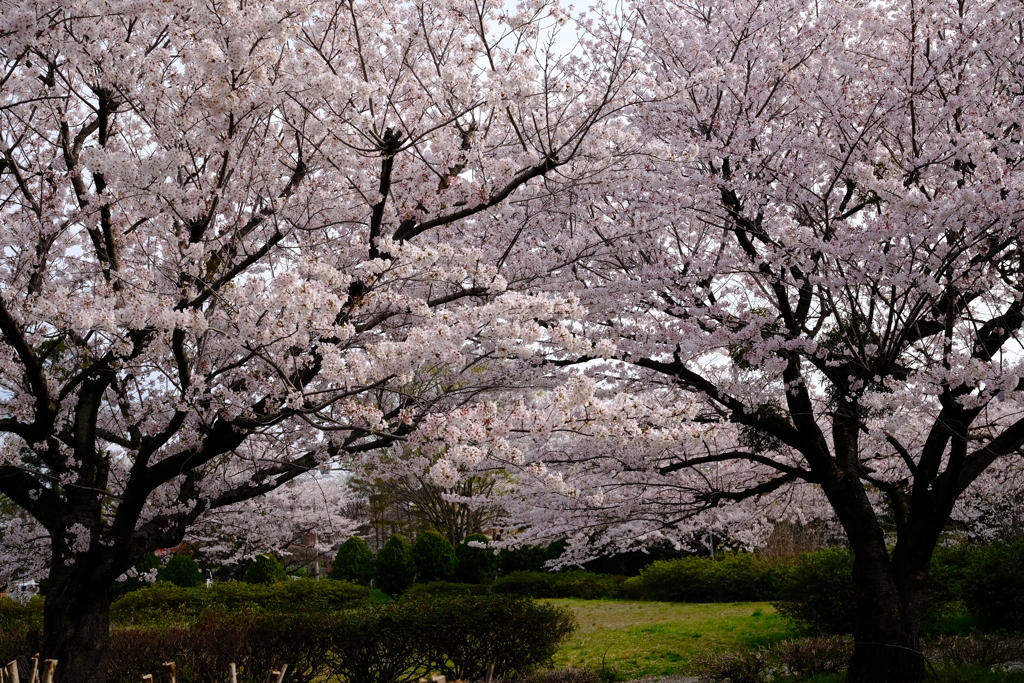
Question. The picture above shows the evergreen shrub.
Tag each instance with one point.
(445, 588)
(434, 557)
(181, 570)
(567, 584)
(265, 569)
(733, 578)
(992, 587)
(396, 570)
(167, 603)
(353, 562)
(817, 592)
(475, 565)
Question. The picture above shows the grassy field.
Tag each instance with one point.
(628, 640)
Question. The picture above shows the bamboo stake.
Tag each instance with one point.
(280, 675)
(234, 672)
(147, 678)
(49, 668)
(272, 676)
(34, 677)
(490, 673)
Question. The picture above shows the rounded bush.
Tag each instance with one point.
(434, 557)
(444, 588)
(181, 570)
(353, 562)
(475, 565)
(817, 592)
(396, 570)
(265, 569)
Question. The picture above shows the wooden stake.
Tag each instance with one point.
(272, 676)
(34, 677)
(234, 672)
(49, 668)
(12, 672)
(169, 671)
(280, 675)
(490, 673)
(147, 678)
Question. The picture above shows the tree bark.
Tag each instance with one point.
(886, 642)
(76, 621)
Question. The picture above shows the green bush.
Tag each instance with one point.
(466, 635)
(992, 588)
(134, 583)
(353, 562)
(475, 565)
(265, 569)
(733, 578)
(568, 584)
(255, 643)
(167, 603)
(20, 627)
(434, 557)
(397, 643)
(818, 592)
(445, 588)
(396, 570)
(181, 570)
(525, 558)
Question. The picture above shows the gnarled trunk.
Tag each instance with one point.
(889, 599)
(76, 621)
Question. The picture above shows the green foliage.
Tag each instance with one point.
(568, 584)
(818, 592)
(445, 588)
(164, 602)
(396, 569)
(992, 587)
(396, 643)
(434, 557)
(265, 569)
(20, 627)
(181, 570)
(526, 558)
(475, 565)
(733, 578)
(353, 562)
(466, 635)
(134, 583)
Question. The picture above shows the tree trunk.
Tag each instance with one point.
(76, 621)
(886, 643)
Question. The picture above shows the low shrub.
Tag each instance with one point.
(569, 675)
(977, 649)
(444, 588)
(809, 657)
(817, 592)
(168, 603)
(733, 578)
(255, 643)
(462, 637)
(398, 643)
(568, 584)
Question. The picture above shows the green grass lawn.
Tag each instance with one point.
(627, 639)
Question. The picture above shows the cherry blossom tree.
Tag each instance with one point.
(810, 300)
(233, 233)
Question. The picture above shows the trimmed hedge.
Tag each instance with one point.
(734, 578)
(397, 643)
(444, 588)
(568, 584)
(181, 570)
(168, 603)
